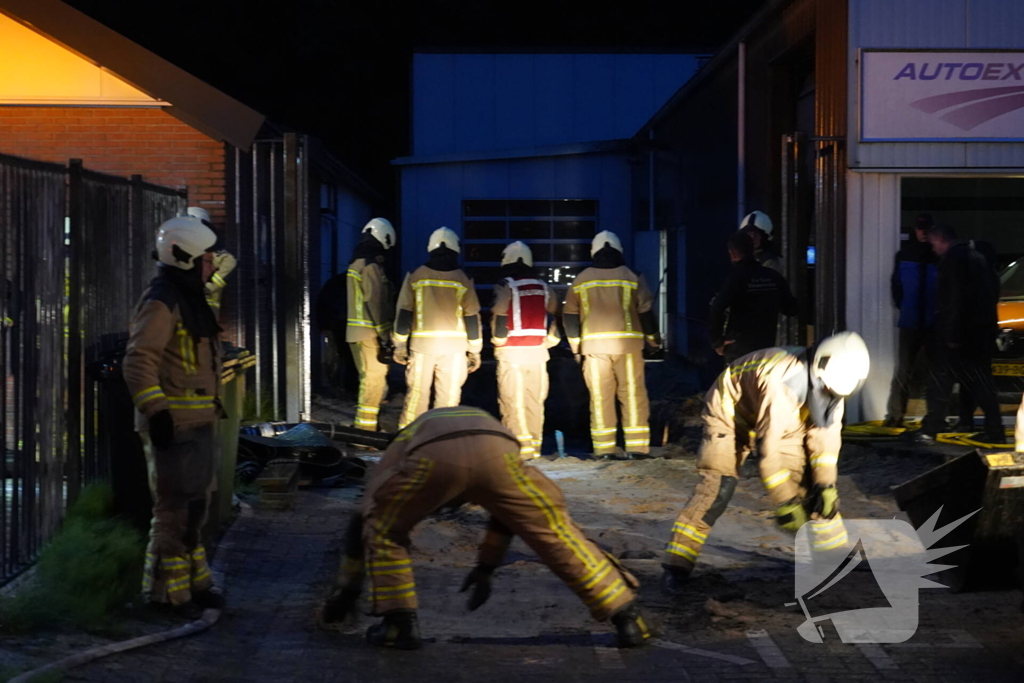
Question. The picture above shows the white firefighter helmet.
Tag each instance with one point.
(182, 240)
(515, 252)
(382, 230)
(605, 237)
(444, 236)
(198, 212)
(759, 220)
(842, 363)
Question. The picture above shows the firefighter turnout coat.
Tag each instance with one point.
(602, 318)
(523, 328)
(438, 321)
(760, 400)
(371, 310)
(165, 368)
(463, 454)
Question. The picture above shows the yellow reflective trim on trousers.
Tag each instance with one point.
(637, 430)
(550, 512)
(592, 577)
(690, 531)
(596, 400)
(202, 575)
(396, 570)
(393, 589)
(627, 284)
(825, 460)
(173, 563)
(634, 413)
(682, 551)
(835, 542)
(603, 432)
(368, 409)
(398, 596)
(776, 480)
(391, 563)
(413, 399)
(825, 526)
(419, 477)
(199, 553)
(609, 593)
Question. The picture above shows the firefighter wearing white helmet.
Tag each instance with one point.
(609, 320)
(223, 264)
(371, 311)
(523, 328)
(437, 328)
(759, 226)
(172, 368)
(789, 404)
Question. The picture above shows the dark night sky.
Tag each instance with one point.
(339, 70)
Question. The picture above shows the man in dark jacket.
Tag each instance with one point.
(965, 333)
(745, 312)
(914, 282)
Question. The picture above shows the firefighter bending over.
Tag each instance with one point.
(437, 328)
(791, 403)
(172, 368)
(454, 455)
(523, 329)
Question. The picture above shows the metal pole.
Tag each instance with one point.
(741, 132)
(74, 325)
(291, 279)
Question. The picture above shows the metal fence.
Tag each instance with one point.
(74, 258)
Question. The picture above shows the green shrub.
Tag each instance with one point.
(90, 568)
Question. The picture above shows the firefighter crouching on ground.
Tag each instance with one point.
(607, 317)
(437, 328)
(172, 368)
(523, 328)
(371, 310)
(223, 264)
(456, 455)
(792, 405)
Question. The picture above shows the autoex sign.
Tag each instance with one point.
(941, 96)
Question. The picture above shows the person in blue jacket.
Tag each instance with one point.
(915, 280)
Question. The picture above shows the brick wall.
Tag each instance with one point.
(121, 141)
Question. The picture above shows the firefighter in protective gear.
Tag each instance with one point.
(523, 329)
(450, 456)
(608, 318)
(437, 328)
(790, 405)
(223, 264)
(172, 368)
(759, 226)
(371, 310)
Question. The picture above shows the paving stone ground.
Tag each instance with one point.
(279, 564)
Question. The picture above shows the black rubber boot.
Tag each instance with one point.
(188, 610)
(208, 599)
(399, 629)
(673, 579)
(630, 626)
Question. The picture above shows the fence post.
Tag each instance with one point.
(76, 201)
(293, 278)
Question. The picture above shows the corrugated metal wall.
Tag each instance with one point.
(949, 24)
(477, 102)
(432, 194)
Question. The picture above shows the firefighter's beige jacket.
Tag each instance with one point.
(609, 302)
(438, 301)
(371, 302)
(165, 368)
(752, 396)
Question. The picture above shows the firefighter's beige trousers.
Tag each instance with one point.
(522, 390)
(617, 376)
(181, 480)
(373, 382)
(445, 373)
(484, 470)
(722, 451)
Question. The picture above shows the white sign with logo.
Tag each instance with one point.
(943, 95)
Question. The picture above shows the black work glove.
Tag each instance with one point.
(386, 352)
(161, 430)
(340, 605)
(480, 579)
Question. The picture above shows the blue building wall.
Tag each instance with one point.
(478, 102)
(432, 194)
